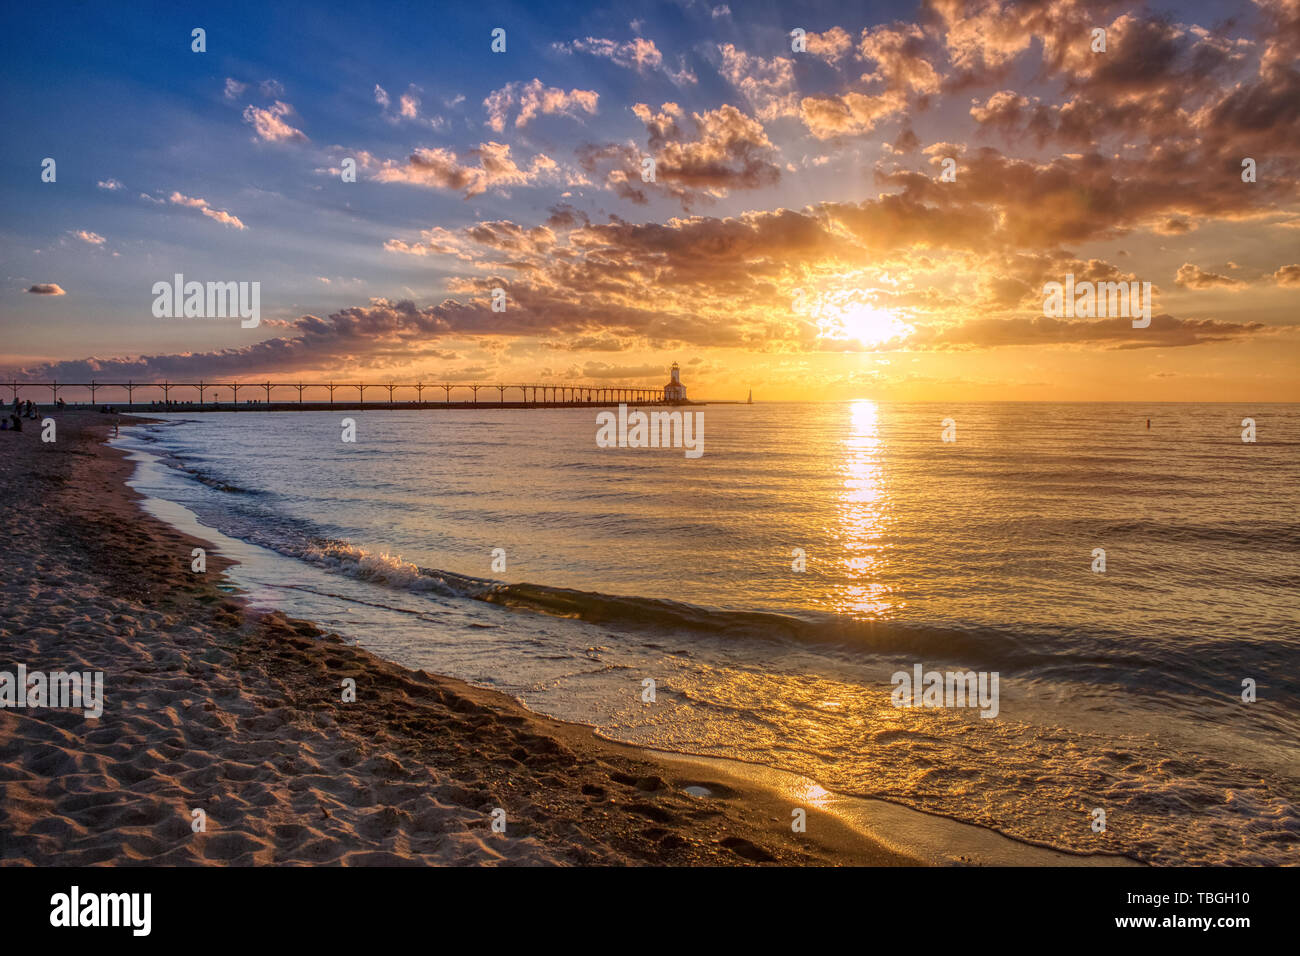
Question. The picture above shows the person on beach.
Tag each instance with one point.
(17, 423)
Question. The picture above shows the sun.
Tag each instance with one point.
(865, 325)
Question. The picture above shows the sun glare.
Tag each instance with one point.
(864, 324)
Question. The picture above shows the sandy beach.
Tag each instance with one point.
(211, 706)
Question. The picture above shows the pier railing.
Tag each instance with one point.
(523, 394)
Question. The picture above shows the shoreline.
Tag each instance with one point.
(212, 706)
(575, 796)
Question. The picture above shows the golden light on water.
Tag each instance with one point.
(864, 517)
(811, 794)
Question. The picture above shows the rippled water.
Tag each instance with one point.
(1118, 690)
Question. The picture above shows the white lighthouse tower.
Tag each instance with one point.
(675, 391)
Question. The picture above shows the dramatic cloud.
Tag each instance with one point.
(1077, 197)
(1165, 331)
(270, 124)
(901, 56)
(46, 288)
(379, 334)
(533, 99)
(442, 169)
(768, 85)
(702, 158)
(983, 37)
(1183, 99)
(767, 281)
(218, 215)
(1288, 275)
(848, 114)
(637, 54)
(831, 46)
(727, 150)
(1193, 277)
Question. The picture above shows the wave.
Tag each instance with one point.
(658, 615)
(213, 482)
(1097, 655)
(1153, 668)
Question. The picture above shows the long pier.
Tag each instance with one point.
(210, 397)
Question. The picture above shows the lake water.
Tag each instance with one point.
(772, 587)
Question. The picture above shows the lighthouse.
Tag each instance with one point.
(675, 391)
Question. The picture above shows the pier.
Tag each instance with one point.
(307, 396)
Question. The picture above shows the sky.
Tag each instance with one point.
(799, 235)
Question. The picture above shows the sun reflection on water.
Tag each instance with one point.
(864, 514)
